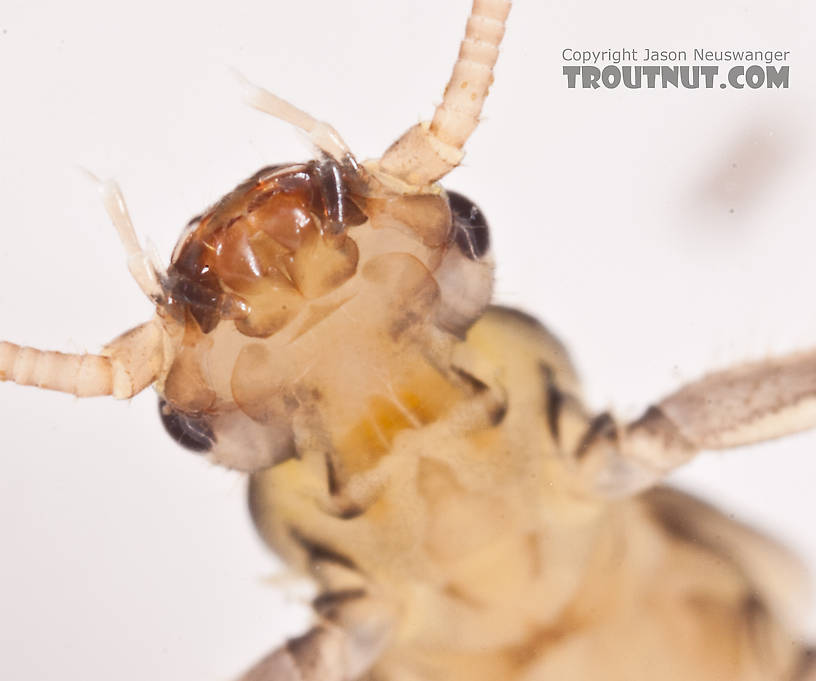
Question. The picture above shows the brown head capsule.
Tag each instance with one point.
(310, 294)
(275, 242)
(301, 294)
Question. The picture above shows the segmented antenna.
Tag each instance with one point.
(429, 151)
(127, 365)
(80, 375)
(124, 368)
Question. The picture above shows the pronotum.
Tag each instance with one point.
(546, 283)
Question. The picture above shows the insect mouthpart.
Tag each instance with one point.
(275, 242)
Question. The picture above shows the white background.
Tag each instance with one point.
(661, 233)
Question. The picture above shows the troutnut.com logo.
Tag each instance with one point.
(648, 68)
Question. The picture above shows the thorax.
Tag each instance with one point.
(449, 492)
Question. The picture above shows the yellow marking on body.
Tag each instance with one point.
(422, 398)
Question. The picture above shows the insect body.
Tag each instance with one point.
(428, 458)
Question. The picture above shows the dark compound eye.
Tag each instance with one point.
(191, 432)
(469, 226)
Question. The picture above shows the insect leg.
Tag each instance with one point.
(343, 646)
(352, 628)
(738, 406)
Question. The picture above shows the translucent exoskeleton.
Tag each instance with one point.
(558, 270)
